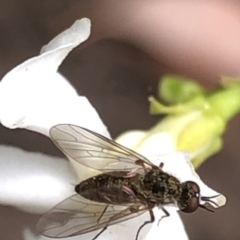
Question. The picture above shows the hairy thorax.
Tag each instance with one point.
(159, 187)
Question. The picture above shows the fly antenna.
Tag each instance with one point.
(208, 199)
(208, 209)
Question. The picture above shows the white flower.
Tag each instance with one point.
(36, 97)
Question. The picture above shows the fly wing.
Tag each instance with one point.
(94, 150)
(77, 215)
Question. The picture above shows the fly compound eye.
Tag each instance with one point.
(193, 205)
(194, 186)
(192, 192)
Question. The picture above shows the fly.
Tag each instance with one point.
(122, 186)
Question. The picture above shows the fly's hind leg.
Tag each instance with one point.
(100, 233)
(99, 221)
(152, 219)
(166, 215)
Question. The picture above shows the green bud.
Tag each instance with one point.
(174, 89)
(196, 121)
(226, 102)
(199, 131)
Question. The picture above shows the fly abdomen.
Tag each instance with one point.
(107, 188)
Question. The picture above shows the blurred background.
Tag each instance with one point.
(132, 44)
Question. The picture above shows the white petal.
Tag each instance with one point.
(33, 182)
(76, 34)
(140, 141)
(18, 100)
(34, 88)
(53, 54)
(42, 106)
(76, 111)
(159, 143)
(130, 139)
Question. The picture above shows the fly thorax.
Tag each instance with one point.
(186, 196)
(169, 186)
(161, 186)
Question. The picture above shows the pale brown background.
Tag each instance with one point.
(117, 79)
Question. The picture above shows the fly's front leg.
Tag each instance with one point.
(166, 214)
(152, 219)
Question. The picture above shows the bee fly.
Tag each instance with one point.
(123, 185)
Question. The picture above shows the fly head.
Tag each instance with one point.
(191, 197)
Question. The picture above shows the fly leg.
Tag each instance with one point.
(98, 222)
(142, 164)
(161, 165)
(152, 219)
(100, 233)
(129, 191)
(166, 215)
(131, 209)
